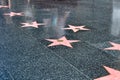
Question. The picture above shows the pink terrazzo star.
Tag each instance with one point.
(11, 14)
(61, 41)
(113, 74)
(1, 6)
(75, 28)
(32, 24)
(115, 46)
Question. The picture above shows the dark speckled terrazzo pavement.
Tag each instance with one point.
(24, 54)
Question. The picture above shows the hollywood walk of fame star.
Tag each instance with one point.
(1, 6)
(32, 24)
(61, 41)
(115, 46)
(75, 28)
(113, 74)
(11, 14)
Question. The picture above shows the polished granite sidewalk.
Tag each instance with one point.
(24, 52)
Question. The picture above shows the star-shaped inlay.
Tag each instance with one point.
(75, 28)
(62, 41)
(2, 6)
(11, 14)
(115, 46)
(32, 24)
(113, 74)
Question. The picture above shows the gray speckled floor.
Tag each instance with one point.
(24, 54)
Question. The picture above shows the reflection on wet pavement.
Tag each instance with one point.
(25, 25)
